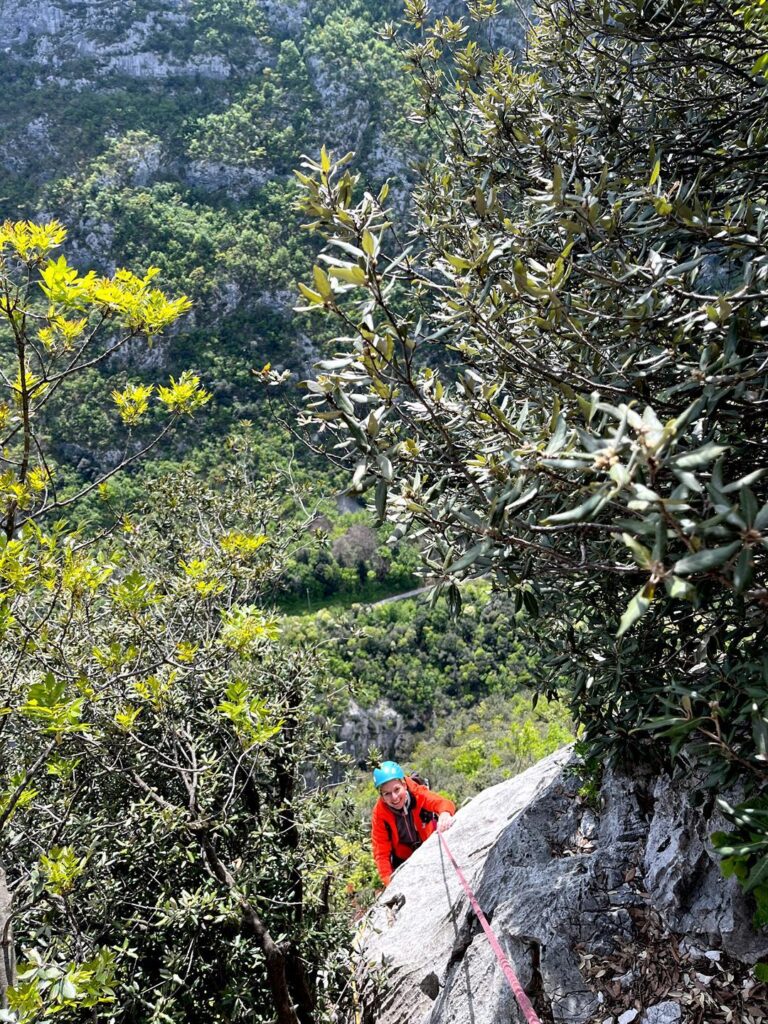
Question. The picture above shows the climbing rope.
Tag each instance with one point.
(522, 999)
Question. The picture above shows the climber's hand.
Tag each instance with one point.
(444, 822)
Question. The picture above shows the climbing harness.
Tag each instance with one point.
(522, 999)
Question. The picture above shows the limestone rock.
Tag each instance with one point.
(663, 1013)
(557, 880)
(110, 39)
(695, 900)
(379, 726)
(215, 176)
(285, 17)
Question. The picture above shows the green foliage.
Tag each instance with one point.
(236, 263)
(249, 714)
(561, 381)
(354, 864)
(365, 69)
(476, 747)
(45, 990)
(157, 733)
(744, 851)
(134, 659)
(755, 15)
(60, 868)
(233, 28)
(345, 559)
(418, 656)
(589, 772)
(268, 124)
(48, 703)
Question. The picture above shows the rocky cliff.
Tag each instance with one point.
(612, 914)
(216, 84)
(81, 41)
(166, 132)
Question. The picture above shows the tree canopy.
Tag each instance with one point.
(155, 735)
(558, 379)
(160, 842)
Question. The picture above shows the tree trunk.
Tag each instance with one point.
(7, 953)
(276, 967)
(273, 954)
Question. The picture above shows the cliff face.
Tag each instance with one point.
(165, 64)
(80, 41)
(82, 73)
(616, 914)
(165, 133)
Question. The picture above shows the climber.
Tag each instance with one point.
(405, 815)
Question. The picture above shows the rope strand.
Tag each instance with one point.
(522, 999)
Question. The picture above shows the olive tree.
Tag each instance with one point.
(162, 852)
(171, 861)
(557, 378)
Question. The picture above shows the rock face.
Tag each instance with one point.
(561, 884)
(379, 726)
(106, 38)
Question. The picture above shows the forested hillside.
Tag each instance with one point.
(162, 856)
(540, 267)
(165, 134)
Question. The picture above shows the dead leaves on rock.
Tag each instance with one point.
(656, 967)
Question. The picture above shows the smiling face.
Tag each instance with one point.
(394, 794)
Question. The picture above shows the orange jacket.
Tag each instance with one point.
(384, 837)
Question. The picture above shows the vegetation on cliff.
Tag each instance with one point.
(419, 657)
(561, 380)
(167, 137)
(555, 382)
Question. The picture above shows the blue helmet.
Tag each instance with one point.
(386, 772)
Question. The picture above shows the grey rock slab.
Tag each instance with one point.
(556, 879)
(478, 988)
(422, 926)
(683, 877)
(378, 726)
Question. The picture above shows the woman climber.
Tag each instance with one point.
(405, 814)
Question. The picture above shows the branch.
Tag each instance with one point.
(28, 776)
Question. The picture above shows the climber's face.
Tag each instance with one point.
(394, 794)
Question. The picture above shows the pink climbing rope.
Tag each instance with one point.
(522, 999)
